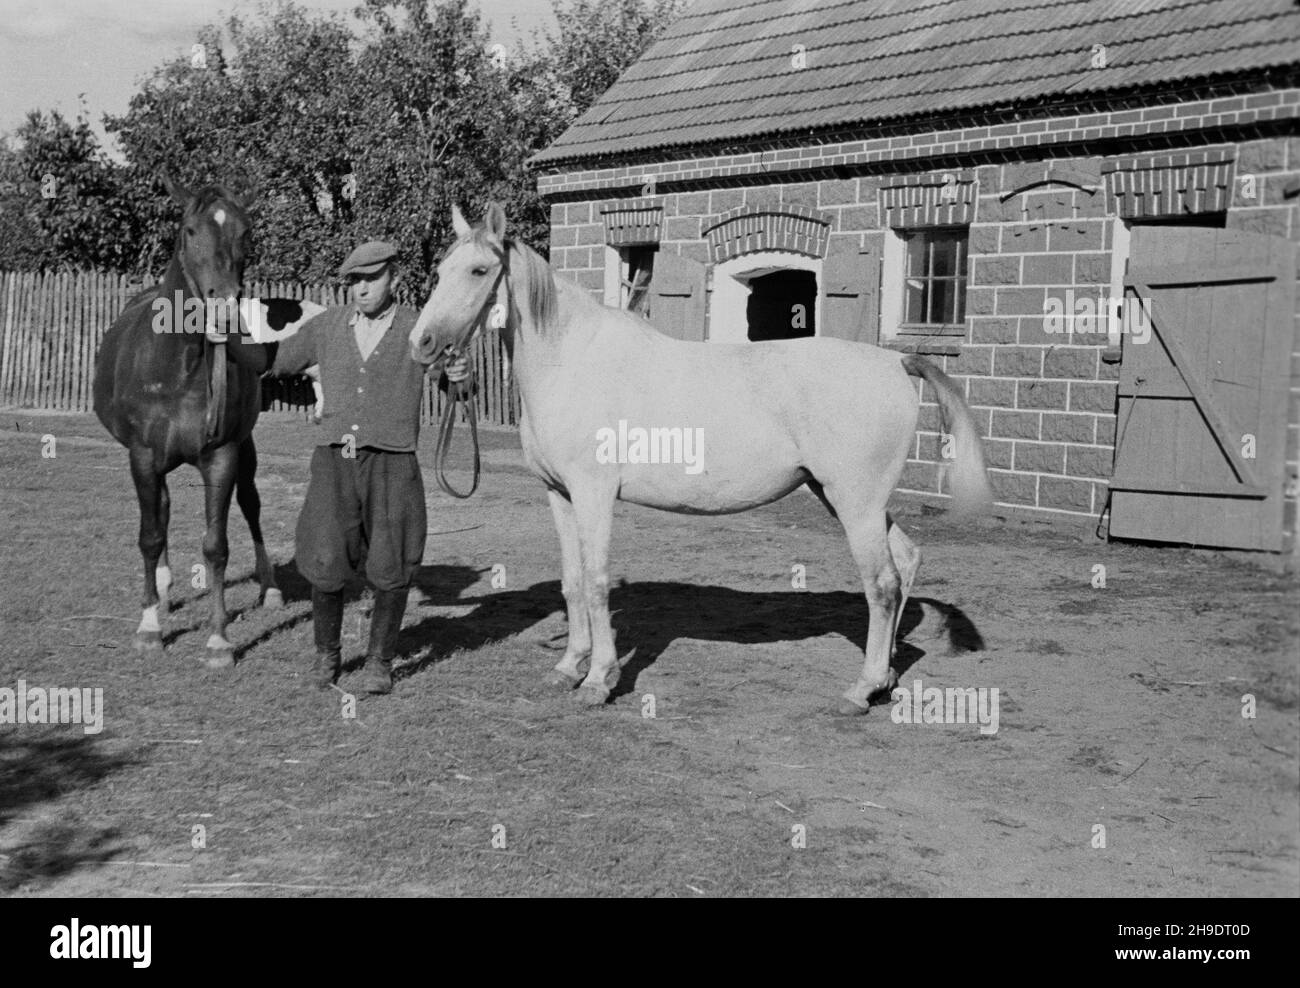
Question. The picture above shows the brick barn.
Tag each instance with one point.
(987, 182)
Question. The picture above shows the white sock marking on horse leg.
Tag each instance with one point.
(149, 620)
(218, 642)
(163, 580)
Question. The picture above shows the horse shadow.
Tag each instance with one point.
(648, 617)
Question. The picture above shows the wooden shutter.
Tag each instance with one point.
(850, 288)
(677, 299)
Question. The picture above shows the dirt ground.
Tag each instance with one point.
(1120, 708)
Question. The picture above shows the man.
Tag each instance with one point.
(365, 497)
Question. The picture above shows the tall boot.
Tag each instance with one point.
(385, 623)
(327, 625)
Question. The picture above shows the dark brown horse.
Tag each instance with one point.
(170, 395)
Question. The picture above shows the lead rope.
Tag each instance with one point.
(461, 391)
(214, 367)
(456, 391)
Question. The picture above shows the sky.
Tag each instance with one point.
(52, 51)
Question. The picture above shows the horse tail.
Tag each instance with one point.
(968, 480)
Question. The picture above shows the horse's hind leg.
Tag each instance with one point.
(907, 557)
(869, 542)
(151, 492)
(250, 504)
(218, 468)
(163, 571)
(570, 670)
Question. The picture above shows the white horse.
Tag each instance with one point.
(608, 404)
(259, 317)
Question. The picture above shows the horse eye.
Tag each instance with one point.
(479, 271)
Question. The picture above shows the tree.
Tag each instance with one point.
(599, 39)
(436, 128)
(63, 199)
(276, 117)
(346, 135)
(22, 245)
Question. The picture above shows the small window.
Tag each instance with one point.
(635, 270)
(934, 295)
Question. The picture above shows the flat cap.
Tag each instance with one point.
(368, 258)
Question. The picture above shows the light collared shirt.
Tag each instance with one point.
(368, 330)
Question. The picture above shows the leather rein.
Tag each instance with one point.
(461, 391)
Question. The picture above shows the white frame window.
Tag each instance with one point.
(922, 278)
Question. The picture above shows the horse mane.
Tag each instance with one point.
(538, 285)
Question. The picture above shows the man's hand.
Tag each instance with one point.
(456, 370)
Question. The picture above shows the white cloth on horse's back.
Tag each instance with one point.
(255, 315)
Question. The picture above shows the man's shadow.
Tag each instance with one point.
(647, 617)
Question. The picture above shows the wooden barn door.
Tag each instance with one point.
(850, 290)
(677, 302)
(1203, 403)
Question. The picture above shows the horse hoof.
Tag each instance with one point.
(557, 680)
(593, 696)
(273, 599)
(219, 658)
(146, 642)
(849, 708)
(219, 655)
(164, 607)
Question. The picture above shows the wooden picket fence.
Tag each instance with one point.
(51, 326)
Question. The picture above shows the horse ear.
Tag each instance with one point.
(458, 223)
(177, 191)
(495, 221)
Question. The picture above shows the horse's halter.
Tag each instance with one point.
(461, 390)
(489, 303)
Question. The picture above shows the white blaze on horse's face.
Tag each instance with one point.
(216, 241)
(466, 276)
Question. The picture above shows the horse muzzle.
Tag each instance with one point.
(423, 348)
(221, 314)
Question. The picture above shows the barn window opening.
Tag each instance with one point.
(934, 278)
(636, 268)
(782, 305)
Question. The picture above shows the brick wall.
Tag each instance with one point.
(1044, 224)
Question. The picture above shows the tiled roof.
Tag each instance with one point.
(731, 70)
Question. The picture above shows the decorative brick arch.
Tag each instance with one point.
(750, 229)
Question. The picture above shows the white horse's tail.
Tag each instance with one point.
(967, 479)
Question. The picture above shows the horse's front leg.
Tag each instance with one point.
(218, 468)
(151, 492)
(570, 670)
(594, 514)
